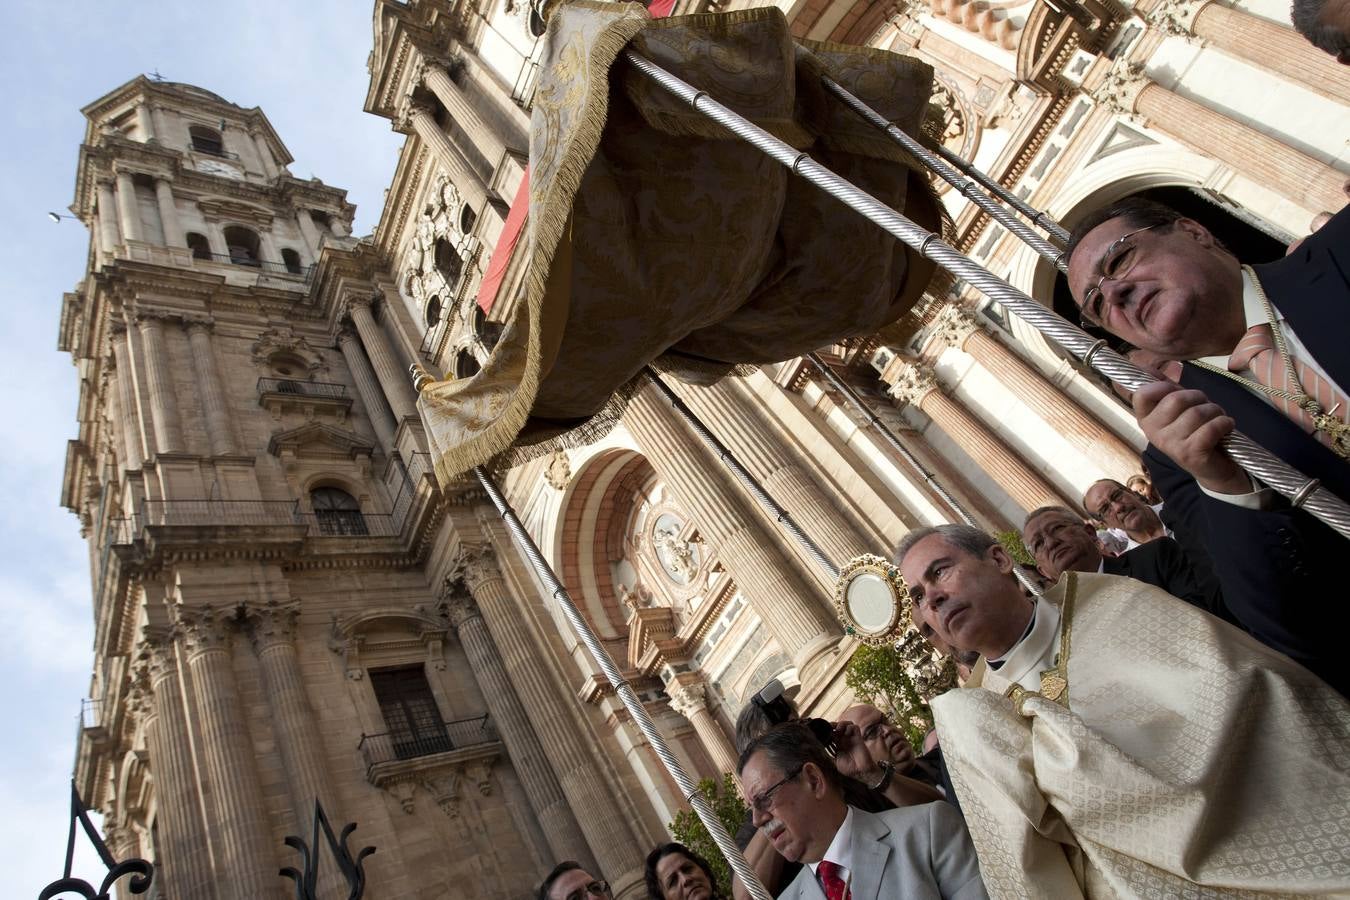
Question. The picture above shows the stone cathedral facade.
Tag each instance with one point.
(290, 608)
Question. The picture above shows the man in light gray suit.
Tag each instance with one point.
(918, 852)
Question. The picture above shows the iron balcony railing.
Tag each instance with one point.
(266, 265)
(441, 737)
(321, 389)
(218, 512)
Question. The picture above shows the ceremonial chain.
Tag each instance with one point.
(1325, 421)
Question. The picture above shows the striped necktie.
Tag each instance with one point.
(1256, 352)
(831, 882)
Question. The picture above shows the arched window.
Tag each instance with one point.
(466, 364)
(467, 219)
(243, 245)
(199, 245)
(479, 321)
(206, 140)
(337, 512)
(448, 262)
(433, 312)
(291, 260)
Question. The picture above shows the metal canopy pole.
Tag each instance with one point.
(1273, 471)
(780, 515)
(967, 187)
(874, 422)
(622, 688)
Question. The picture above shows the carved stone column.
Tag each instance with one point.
(612, 841)
(219, 429)
(269, 165)
(1258, 156)
(1269, 45)
(531, 763)
(433, 74)
(956, 327)
(792, 612)
(129, 419)
(268, 247)
(738, 423)
(241, 834)
(128, 209)
(397, 387)
(372, 398)
(108, 235)
(159, 380)
(168, 214)
(915, 384)
(144, 123)
(691, 701)
(184, 852)
(420, 119)
(310, 232)
(272, 627)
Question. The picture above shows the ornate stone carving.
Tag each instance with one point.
(679, 557)
(480, 773)
(444, 789)
(205, 628)
(559, 471)
(272, 623)
(1121, 88)
(157, 654)
(422, 277)
(403, 791)
(953, 325)
(458, 604)
(912, 383)
(954, 130)
(1176, 17)
(196, 324)
(280, 339)
(474, 565)
(687, 699)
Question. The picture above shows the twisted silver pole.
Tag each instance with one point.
(950, 175)
(780, 515)
(874, 422)
(622, 688)
(1255, 459)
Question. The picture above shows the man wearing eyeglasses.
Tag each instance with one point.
(797, 801)
(1264, 350)
(570, 881)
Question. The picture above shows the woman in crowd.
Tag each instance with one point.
(674, 872)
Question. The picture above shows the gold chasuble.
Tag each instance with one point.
(1184, 759)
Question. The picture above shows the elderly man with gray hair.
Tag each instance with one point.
(1109, 726)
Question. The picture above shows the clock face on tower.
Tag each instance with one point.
(218, 167)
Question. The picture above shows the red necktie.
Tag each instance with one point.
(831, 882)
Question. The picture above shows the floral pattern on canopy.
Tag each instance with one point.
(656, 234)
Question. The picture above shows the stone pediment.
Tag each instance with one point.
(315, 440)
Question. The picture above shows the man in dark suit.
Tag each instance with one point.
(1062, 542)
(1164, 284)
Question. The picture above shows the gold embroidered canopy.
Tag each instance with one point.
(654, 233)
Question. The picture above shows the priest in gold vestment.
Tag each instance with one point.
(1115, 742)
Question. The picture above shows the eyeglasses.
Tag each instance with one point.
(1119, 258)
(874, 730)
(764, 802)
(1117, 495)
(594, 889)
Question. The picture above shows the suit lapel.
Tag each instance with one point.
(870, 854)
(1271, 428)
(1310, 290)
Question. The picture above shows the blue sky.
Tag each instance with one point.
(305, 65)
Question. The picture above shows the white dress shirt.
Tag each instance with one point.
(840, 851)
(1035, 652)
(1261, 497)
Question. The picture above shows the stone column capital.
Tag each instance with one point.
(954, 324)
(153, 318)
(117, 329)
(474, 565)
(457, 603)
(1121, 88)
(272, 623)
(688, 699)
(199, 324)
(1176, 17)
(156, 658)
(911, 382)
(204, 628)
